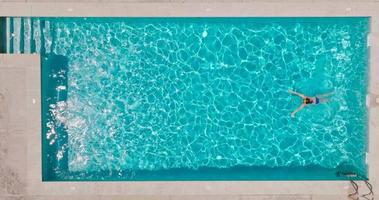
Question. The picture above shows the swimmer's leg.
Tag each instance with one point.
(323, 100)
(325, 95)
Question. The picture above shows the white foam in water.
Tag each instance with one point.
(61, 87)
(52, 132)
(47, 36)
(37, 35)
(205, 34)
(60, 155)
(27, 34)
(58, 111)
(16, 34)
(345, 43)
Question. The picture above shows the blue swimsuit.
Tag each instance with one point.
(317, 100)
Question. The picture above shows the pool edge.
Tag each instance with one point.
(318, 190)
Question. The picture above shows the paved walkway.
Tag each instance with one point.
(20, 147)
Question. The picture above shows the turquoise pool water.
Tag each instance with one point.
(200, 98)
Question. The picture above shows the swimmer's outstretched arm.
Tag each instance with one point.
(297, 110)
(299, 94)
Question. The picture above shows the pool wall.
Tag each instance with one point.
(3, 36)
(23, 141)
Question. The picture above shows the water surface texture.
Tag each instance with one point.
(165, 94)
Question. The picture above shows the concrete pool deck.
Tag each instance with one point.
(20, 108)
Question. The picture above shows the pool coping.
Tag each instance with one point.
(33, 185)
(187, 9)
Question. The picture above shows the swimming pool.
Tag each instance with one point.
(199, 98)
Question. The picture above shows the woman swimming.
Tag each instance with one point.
(309, 100)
